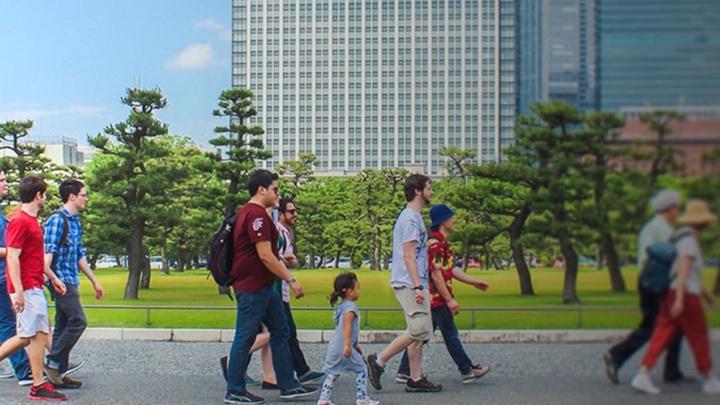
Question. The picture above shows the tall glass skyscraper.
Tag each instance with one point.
(375, 84)
(530, 61)
(659, 53)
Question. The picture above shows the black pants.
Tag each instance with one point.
(650, 306)
(70, 323)
(299, 364)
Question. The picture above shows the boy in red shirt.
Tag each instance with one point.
(25, 277)
(443, 306)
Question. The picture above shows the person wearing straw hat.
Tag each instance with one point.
(682, 308)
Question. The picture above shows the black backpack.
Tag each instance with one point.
(655, 275)
(221, 253)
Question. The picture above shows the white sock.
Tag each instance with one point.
(379, 362)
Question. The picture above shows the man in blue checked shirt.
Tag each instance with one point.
(65, 255)
(19, 360)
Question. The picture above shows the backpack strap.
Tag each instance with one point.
(677, 237)
(63, 237)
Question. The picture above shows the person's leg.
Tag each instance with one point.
(13, 345)
(36, 352)
(672, 360)
(19, 359)
(649, 306)
(250, 310)
(665, 330)
(693, 323)
(327, 388)
(404, 367)
(276, 322)
(267, 365)
(443, 318)
(361, 392)
(415, 357)
(298, 358)
(76, 323)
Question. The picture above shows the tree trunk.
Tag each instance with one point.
(569, 295)
(230, 204)
(92, 261)
(136, 259)
(312, 259)
(518, 254)
(181, 262)
(165, 264)
(118, 260)
(466, 260)
(617, 282)
(145, 279)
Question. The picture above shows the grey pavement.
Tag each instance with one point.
(127, 372)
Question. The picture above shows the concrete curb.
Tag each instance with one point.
(370, 336)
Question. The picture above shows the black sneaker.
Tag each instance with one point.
(46, 392)
(374, 371)
(422, 385)
(72, 368)
(310, 377)
(476, 372)
(269, 386)
(610, 368)
(244, 398)
(299, 392)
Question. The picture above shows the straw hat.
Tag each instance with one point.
(697, 212)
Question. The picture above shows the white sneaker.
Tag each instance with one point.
(367, 402)
(711, 386)
(643, 383)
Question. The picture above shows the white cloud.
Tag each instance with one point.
(37, 113)
(193, 57)
(211, 24)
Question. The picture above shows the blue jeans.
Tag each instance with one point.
(264, 306)
(19, 359)
(443, 319)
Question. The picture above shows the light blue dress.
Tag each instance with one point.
(335, 362)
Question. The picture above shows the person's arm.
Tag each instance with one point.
(409, 249)
(53, 231)
(348, 319)
(55, 281)
(683, 269)
(13, 269)
(277, 267)
(441, 287)
(83, 265)
(3, 252)
(459, 275)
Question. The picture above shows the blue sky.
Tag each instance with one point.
(65, 64)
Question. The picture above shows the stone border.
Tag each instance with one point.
(370, 336)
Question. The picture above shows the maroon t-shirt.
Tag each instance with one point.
(252, 225)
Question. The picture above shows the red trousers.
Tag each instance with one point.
(691, 322)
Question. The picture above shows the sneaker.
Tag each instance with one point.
(643, 383)
(310, 377)
(367, 402)
(25, 381)
(476, 372)
(610, 368)
(402, 378)
(46, 392)
(269, 386)
(6, 372)
(251, 381)
(374, 371)
(69, 383)
(711, 386)
(72, 368)
(298, 392)
(53, 375)
(422, 385)
(244, 398)
(325, 403)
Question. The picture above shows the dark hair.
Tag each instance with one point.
(343, 282)
(435, 228)
(29, 187)
(70, 187)
(260, 178)
(416, 182)
(284, 202)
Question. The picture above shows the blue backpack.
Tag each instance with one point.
(655, 276)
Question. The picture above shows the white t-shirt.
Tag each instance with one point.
(689, 246)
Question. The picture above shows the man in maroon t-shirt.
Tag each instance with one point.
(25, 277)
(255, 265)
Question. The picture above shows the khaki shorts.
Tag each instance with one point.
(34, 317)
(417, 316)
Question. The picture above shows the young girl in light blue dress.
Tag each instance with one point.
(343, 353)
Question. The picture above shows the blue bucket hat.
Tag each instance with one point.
(439, 214)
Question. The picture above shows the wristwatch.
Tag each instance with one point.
(419, 288)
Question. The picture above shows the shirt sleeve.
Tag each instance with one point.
(409, 232)
(687, 246)
(258, 227)
(82, 252)
(434, 250)
(53, 230)
(16, 235)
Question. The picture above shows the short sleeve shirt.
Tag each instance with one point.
(688, 246)
(3, 227)
(285, 247)
(24, 233)
(253, 225)
(409, 227)
(440, 258)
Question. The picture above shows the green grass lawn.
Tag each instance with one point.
(194, 288)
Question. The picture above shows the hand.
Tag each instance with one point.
(348, 351)
(419, 296)
(297, 290)
(99, 292)
(453, 306)
(19, 302)
(481, 285)
(289, 258)
(58, 286)
(676, 309)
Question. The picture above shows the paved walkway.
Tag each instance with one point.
(126, 372)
